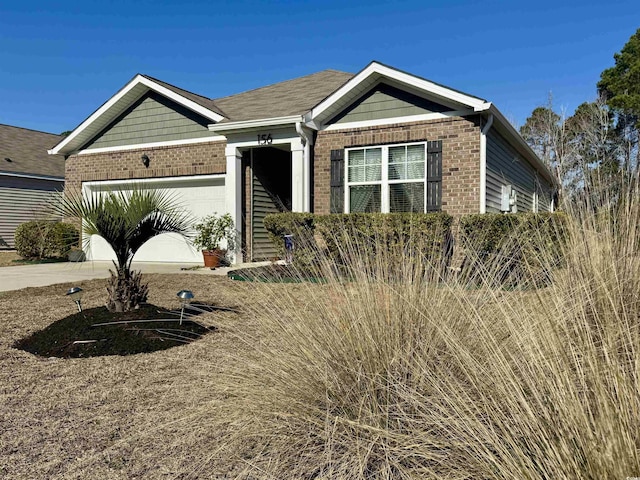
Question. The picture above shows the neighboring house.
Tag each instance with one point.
(28, 176)
(379, 141)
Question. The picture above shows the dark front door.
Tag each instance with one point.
(270, 193)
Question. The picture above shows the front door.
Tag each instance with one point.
(270, 193)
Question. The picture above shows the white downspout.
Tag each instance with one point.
(483, 164)
(306, 141)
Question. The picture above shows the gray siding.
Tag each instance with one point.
(545, 195)
(270, 193)
(385, 101)
(262, 204)
(21, 200)
(507, 167)
(153, 118)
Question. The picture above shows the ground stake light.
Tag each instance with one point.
(185, 297)
(75, 294)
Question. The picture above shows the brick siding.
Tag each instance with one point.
(460, 161)
(172, 161)
(460, 157)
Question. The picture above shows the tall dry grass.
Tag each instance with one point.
(388, 370)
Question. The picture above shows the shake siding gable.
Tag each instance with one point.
(385, 101)
(153, 118)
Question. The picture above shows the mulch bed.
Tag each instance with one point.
(147, 329)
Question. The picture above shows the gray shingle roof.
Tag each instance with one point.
(27, 151)
(194, 97)
(291, 97)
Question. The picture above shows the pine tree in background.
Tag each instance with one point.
(620, 86)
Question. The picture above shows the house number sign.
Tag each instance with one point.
(265, 139)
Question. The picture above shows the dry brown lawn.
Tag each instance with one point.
(7, 257)
(140, 416)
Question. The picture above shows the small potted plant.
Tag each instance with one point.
(211, 231)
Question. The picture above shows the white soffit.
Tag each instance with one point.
(226, 127)
(117, 104)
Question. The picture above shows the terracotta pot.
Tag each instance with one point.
(212, 258)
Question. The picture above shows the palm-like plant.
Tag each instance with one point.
(126, 220)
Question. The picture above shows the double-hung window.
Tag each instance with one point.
(389, 178)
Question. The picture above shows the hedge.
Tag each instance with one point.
(45, 239)
(509, 248)
(340, 236)
(302, 226)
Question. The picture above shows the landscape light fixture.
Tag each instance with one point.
(145, 160)
(75, 294)
(185, 297)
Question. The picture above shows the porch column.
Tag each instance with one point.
(233, 194)
(299, 190)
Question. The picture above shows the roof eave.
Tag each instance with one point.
(35, 176)
(522, 146)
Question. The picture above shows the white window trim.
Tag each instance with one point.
(384, 181)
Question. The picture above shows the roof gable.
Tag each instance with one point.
(384, 101)
(376, 73)
(152, 118)
(26, 151)
(122, 100)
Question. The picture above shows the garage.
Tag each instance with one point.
(200, 196)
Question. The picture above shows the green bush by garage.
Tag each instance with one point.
(42, 239)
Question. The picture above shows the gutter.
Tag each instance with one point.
(483, 164)
(306, 141)
(32, 175)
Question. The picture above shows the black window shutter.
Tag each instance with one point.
(337, 181)
(434, 176)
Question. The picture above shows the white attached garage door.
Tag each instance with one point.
(199, 195)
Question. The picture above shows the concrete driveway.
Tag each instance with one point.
(43, 274)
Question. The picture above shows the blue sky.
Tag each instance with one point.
(59, 61)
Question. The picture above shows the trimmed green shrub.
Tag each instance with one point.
(340, 236)
(302, 226)
(45, 239)
(511, 247)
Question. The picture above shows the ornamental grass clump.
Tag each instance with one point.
(398, 371)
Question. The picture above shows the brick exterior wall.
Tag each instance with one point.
(460, 157)
(172, 161)
(460, 162)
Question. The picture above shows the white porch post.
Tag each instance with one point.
(233, 194)
(298, 175)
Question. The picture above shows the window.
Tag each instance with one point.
(386, 178)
